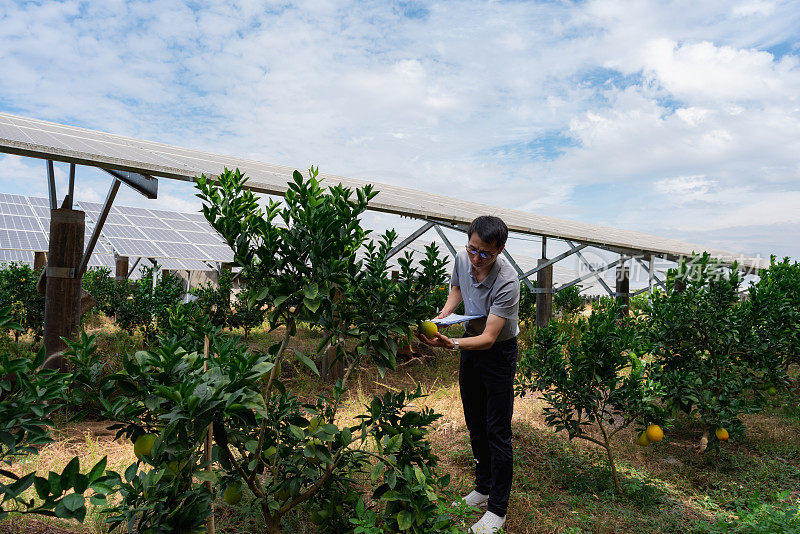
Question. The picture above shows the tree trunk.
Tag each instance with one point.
(704, 441)
(614, 474)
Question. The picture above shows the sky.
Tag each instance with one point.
(676, 118)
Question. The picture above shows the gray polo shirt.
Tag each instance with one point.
(497, 294)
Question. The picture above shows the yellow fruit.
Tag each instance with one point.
(144, 445)
(428, 329)
(232, 494)
(722, 434)
(654, 433)
(642, 440)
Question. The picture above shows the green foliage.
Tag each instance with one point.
(87, 368)
(140, 304)
(214, 299)
(18, 293)
(598, 382)
(406, 465)
(756, 517)
(27, 399)
(703, 343)
(568, 302)
(527, 305)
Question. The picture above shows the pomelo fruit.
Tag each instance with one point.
(428, 329)
(654, 433)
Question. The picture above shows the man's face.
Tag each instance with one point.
(475, 247)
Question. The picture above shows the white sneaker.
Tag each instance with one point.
(473, 499)
(489, 523)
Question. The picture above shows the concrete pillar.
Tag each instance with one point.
(63, 293)
(544, 301)
(39, 260)
(623, 290)
(122, 269)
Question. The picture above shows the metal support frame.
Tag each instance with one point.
(71, 189)
(513, 263)
(134, 267)
(544, 247)
(87, 253)
(594, 273)
(558, 258)
(591, 269)
(446, 241)
(51, 185)
(651, 277)
(144, 184)
(407, 241)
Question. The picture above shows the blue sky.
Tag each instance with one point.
(678, 118)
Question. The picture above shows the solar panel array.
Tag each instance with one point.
(42, 139)
(174, 240)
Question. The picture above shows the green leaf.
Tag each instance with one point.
(206, 476)
(307, 361)
(404, 519)
(377, 469)
(73, 502)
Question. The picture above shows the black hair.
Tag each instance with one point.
(490, 229)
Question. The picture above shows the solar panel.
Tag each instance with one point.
(160, 234)
(186, 225)
(182, 251)
(102, 260)
(39, 201)
(12, 199)
(135, 247)
(118, 230)
(174, 215)
(16, 256)
(23, 240)
(11, 222)
(221, 253)
(203, 238)
(183, 265)
(196, 217)
(146, 222)
(15, 209)
(141, 212)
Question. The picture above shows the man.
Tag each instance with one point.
(488, 285)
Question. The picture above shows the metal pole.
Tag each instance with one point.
(51, 185)
(71, 190)
(544, 248)
(446, 241)
(112, 192)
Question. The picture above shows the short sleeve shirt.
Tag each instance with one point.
(496, 294)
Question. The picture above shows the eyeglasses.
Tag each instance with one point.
(483, 255)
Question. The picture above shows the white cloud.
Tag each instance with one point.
(647, 97)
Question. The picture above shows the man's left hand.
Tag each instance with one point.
(440, 340)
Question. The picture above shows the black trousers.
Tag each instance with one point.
(486, 380)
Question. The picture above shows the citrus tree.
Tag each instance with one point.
(286, 453)
(18, 293)
(27, 399)
(703, 342)
(596, 386)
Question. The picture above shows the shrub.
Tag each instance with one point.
(18, 293)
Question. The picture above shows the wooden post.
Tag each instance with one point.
(122, 270)
(623, 290)
(62, 308)
(544, 301)
(208, 441)
(39, 260)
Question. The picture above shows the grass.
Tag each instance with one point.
(559, 486)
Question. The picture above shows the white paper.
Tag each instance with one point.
(454, 318)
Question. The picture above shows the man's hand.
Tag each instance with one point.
(440, 340)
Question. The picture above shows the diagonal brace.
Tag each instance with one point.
(407, 241)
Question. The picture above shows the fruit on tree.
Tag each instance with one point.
(143, 445)
(269, 452)
(428, 329)
(721, 434)
(654, 433)
(642, 440)
(772, 391)
(232, 494)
